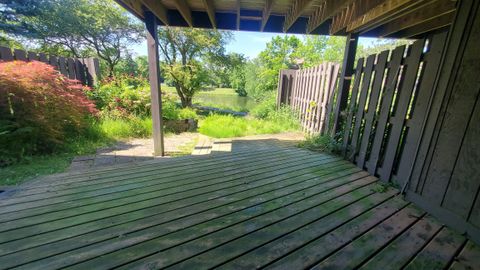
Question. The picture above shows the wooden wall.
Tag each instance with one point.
(309, 92)
(413, 119)
(445, 178)
(85, 70)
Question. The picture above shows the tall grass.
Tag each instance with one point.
(228, 126)
(100, 133)
(126, 128)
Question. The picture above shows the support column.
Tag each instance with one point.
(154, 77)
(345, 80)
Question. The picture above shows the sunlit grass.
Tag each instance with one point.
(227, 126)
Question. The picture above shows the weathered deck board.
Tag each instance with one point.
(280, 208)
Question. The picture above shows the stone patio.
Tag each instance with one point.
(137, 150)
(134, 150)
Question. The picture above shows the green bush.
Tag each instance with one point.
(123, 96)
(172, 111)
(266, 107)
(127, 97)
(322, 143)
(267, 110)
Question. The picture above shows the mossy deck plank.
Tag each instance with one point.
(281, 208)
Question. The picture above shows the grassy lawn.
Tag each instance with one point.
(227, 126)
(33, 167)
(105, 133)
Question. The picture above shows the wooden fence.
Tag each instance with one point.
(310, 93)
(85, 70)
(387, 107)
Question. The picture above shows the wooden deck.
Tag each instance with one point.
(273, 207)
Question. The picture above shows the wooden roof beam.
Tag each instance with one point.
(326, 10)
(298, 7)
(266, 13)
(387, 11)
(425, 27)
(341, 20)
(419, 16)
(158, 9)
(133, 6)
(238, 14)
(211, 12)
(183, 8)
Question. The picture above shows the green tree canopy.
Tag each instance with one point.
(289, 52)
(81, 27)
(184, 53)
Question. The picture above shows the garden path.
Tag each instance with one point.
(134, 150)
(138, 150)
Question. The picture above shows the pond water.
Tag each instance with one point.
(230, 102)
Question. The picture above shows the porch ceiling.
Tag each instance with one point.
(376, 18)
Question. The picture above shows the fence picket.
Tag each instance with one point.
(372, 106)
(353, 103)
(20, 55)
(6, 54)
(387, 97)
(32, 56)
(87, 70)
(404, 96)
(306, 87)
(357, 126)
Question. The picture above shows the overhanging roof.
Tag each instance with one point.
(376, 18)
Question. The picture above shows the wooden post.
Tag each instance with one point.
(154, 76)
(345, 80)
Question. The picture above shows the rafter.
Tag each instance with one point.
(183, 8)
(238, 14)
(419, 16)
(134, 7)
(430, 25)
(158, 9)
(266, 13)
(295, 12)
(326, 10)
(388, 10)
(211, 12)
(341, 20)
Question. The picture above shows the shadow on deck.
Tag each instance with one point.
(264, 204)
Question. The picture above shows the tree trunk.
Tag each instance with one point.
(186, 102)
(111, 68)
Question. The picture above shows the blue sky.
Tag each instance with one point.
(247, 43)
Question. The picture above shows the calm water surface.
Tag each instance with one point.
(232, 102)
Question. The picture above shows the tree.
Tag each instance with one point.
(184, 51)
(237, 72)
(82, 27)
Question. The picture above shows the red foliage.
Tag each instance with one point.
(35, 95)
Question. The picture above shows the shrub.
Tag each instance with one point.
(123, 96)
(39, 109)
(322, 143)
(172, 111)
(266, 107)
(284, 116)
